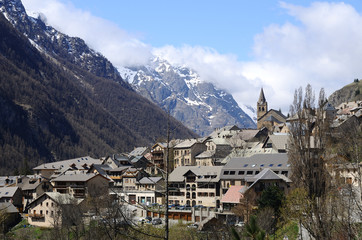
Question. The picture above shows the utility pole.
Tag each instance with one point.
(167, 170)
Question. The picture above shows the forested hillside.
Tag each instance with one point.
(52, 110)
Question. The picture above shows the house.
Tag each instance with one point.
(46, 170)
(268, 118)
(216, 150)
(186, 151)
(9, 216)
(277, 142)
(81, 185)
(160, 152)
(237, 170)
(49, 209)
(32, 187)
(237, 195)
(225, 132)
(195, 185)
(150, 190)
(139, 151)
(12, 195)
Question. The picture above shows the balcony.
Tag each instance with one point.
(36, 215)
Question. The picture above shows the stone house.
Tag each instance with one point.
(186, 151)
(47, 209)
(195, 185)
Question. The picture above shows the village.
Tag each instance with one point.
(207, 177)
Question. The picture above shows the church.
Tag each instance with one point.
(268, 118)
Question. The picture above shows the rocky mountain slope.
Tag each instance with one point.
(348, 93)
(198, 104)
(52, 108)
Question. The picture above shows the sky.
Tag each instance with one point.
(240, 46)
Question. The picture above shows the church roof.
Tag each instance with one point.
(261, 97)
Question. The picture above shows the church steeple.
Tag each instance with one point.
(261, 97)
(262, 105)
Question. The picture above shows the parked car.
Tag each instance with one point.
(239, 224)
(148, 218)
(156, 221)
(194, 225)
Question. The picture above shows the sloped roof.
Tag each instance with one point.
(233, 195)
(274, 111)
(280, 141)
(265, 174)
(206, 154)
(261, 99)
(60, 198)
(186, 143)
(79, 162)
(177, 174)
(138, 151)
(149, 180)
(76, 177)
(8, 207)
(8, 192)
(259, 160)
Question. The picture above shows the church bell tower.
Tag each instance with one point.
(262, 105)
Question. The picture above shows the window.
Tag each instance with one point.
(249, 173)
(279, 165)
(256, 172)
(270, 165)
(46, 203)
(245, 165)
(226, 172)
(232, 172)
(241, 172)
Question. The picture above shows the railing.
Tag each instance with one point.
(36, 215)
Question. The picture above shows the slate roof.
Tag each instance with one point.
(186, 143)
(233, 195)
(265, 174)
(8, 192)
(76, 177)
(276, 162)
(178, 173)
(149, 180)
(138, 151)
(79, 162)
(8, 207)
(279, 141)
(61, 198)
(206, 154)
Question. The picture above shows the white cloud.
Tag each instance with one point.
(321, 47)
(120, 47)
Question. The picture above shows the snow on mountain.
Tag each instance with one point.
(195, 102)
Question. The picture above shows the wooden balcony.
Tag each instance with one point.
(36, 215)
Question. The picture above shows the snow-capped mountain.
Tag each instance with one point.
(54, 43)
(195, 102)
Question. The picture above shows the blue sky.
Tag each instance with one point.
(240, 46)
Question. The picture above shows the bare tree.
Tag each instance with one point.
(309, 161)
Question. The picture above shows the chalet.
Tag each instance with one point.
(12, 195)
(46, 170)
(80, 185)
(47, 209)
